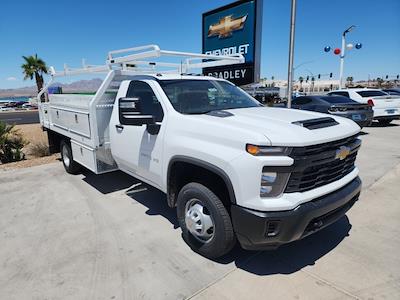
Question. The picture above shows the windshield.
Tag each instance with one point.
(201, 96)
(371, 93)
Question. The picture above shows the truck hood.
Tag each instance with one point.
(277, 125)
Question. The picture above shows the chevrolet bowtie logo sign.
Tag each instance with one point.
(226, 26)
(342, 152)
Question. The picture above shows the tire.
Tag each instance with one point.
(71, 166)
(191, 198)
(384, 122)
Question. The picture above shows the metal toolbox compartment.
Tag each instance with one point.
(84, 155)
(72, 121)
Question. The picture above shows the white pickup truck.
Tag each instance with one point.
(234, 169)
(386, 107)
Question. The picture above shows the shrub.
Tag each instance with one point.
(11, 143)
(39, 149)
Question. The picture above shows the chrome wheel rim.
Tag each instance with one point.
(65, 156)
(198, 221)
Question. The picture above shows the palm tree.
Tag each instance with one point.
(34, 67)
(350, 80)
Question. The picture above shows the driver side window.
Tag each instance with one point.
(148, 101)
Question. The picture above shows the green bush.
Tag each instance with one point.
(11, 144)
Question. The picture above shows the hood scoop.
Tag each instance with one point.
(316, 123)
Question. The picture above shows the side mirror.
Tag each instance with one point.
(153, 129)
(130, 112)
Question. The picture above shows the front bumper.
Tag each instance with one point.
(257, 230)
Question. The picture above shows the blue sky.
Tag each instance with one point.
(66, 31)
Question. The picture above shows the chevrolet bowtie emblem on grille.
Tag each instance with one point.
(226, 26)
(342, 152)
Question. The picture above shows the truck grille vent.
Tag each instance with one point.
(316, 123)
(318, 165)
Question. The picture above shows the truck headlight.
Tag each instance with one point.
(267, 150)
(273, 183)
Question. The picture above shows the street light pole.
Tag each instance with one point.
(342, 54)
(291, 54)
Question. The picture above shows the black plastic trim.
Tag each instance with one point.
(206, 165)
(318, 163)
(251, 226)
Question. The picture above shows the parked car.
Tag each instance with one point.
(233, 168)
(5, 108)
(392, 91)
(341, 106)
(386, 107)
(29, 106)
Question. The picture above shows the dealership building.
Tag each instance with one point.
(307, 87)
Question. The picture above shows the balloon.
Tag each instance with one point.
(327, 49)
(349, 46)
(358, 46)
(336, 51)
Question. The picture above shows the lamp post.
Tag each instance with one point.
(291, 51)
(342, 55)
(342, 52)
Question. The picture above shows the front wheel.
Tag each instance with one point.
(205, 222)
(71, 166)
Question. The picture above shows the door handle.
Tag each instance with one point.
(119, 126)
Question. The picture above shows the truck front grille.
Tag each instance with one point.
(318, 165)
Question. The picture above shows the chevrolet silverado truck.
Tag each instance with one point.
(234, 170)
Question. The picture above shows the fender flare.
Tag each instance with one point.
(206, 165)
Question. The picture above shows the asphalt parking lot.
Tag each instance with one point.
(111, 237)
(20, 117)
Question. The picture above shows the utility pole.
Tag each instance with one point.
(291, 54)
(342, 54)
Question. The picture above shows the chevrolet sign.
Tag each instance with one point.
(234, 29)
(225, 26)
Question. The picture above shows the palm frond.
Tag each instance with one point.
(33, 65)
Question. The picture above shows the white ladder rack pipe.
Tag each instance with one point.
(131, 60)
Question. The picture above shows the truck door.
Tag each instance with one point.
(136, 132)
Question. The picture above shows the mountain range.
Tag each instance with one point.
(77, 86)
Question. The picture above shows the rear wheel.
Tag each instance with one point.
(71, 166)
(385, 122)
(205, 222)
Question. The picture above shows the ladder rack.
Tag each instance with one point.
(136, 59)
